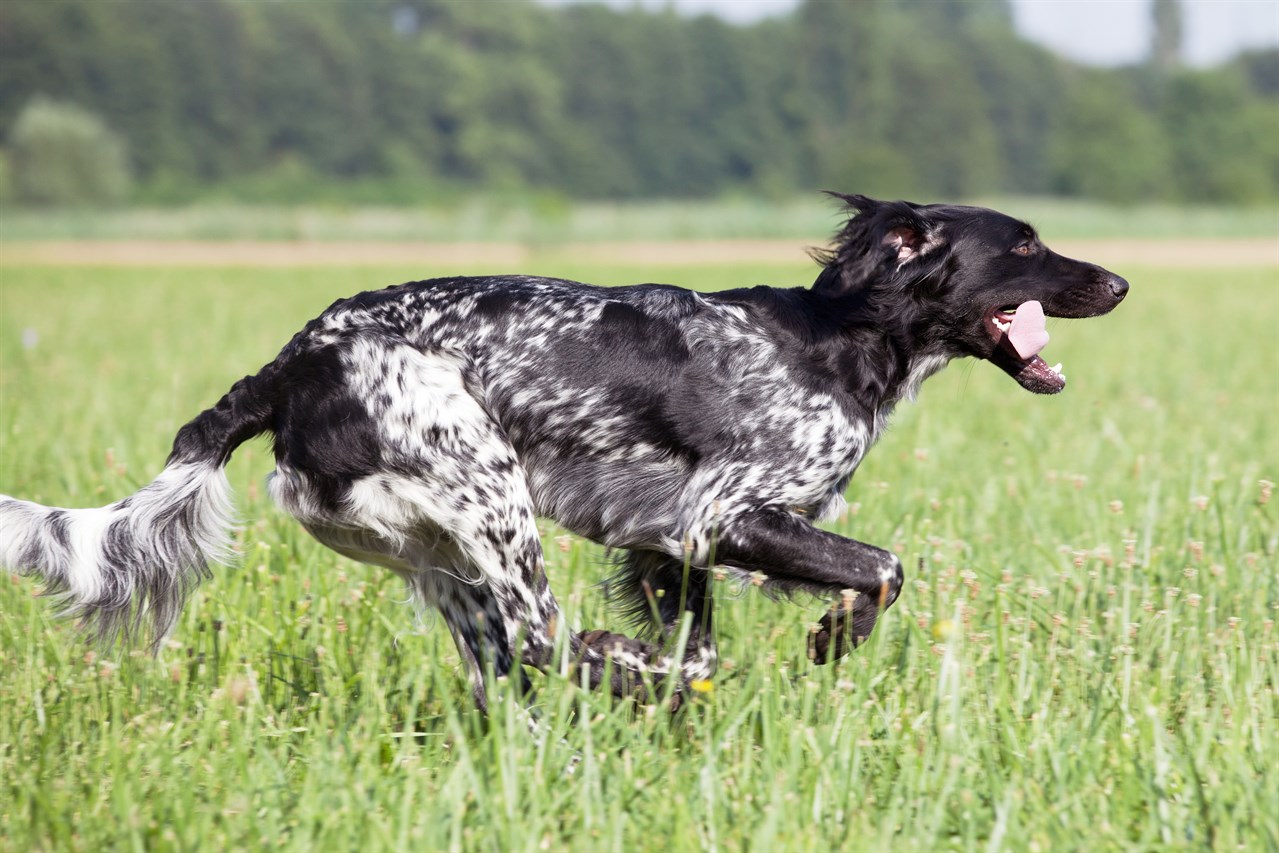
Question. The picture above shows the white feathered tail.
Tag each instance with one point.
(132, 563)
(135, 561)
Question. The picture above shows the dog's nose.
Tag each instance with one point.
(1118, 286)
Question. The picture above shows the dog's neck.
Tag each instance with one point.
(883, 358)
(904, 366)
(922, 366)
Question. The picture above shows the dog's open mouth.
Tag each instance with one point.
(1019, 334)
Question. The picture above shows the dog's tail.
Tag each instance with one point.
(135, 561)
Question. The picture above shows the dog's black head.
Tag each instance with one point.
(962, 281)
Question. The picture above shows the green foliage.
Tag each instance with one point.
(1223, 146)
(1024, 89)
(1165, 49)
(63, 155)
(1107, 147)
(943, 126)
(1084, 657)
(6, 184)
(906, 97)
(876, 169)
(1261, 69)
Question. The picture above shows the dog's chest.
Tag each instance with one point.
(812, 473)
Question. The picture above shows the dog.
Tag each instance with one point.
(424, 427)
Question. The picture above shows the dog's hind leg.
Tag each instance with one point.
(659, 592)
(441, 474)
(510, 616)
(478, 628)
(435, 572)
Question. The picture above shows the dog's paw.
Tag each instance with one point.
(619, 647)
(631, 659)
(829, 641)
(840, 631)
(631, 678)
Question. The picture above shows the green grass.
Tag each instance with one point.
(540, 220)
(1084, 657)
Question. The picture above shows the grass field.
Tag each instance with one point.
(1085, 655)
(547, 220)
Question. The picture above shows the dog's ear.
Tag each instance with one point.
(906, 241)
(855, 203)
(882, 239)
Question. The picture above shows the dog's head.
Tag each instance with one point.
(963, 281)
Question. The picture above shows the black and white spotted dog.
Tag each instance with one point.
(424, 427)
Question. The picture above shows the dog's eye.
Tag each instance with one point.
(1023, 249)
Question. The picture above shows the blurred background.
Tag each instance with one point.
(541, 106)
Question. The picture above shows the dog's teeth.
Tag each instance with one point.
(1003, 326)
(1056, 368)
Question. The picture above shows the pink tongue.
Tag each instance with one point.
(1027, 334)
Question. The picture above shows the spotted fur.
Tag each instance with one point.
(424, 427)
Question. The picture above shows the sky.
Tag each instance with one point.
(1102, 32)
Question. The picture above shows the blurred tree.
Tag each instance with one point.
(88, 54)
(316, 86)
(1220, 138)
(1105, 147)
(662, 106)
(215, 50)
(916, 122)
(485, 94)
(1024, 86)
(404, 97)
(949, 16)
(1261, 69)
(941, 122)
(6, 182)
(598, 54)
(847, 68)
(61, 154)
(1166, 35)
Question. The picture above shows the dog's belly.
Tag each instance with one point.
(626, 499)
(638, 496)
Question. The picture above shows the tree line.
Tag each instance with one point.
(402, 99)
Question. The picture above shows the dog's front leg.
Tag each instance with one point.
(789, 551)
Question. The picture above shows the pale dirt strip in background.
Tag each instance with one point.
(1219, 253)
